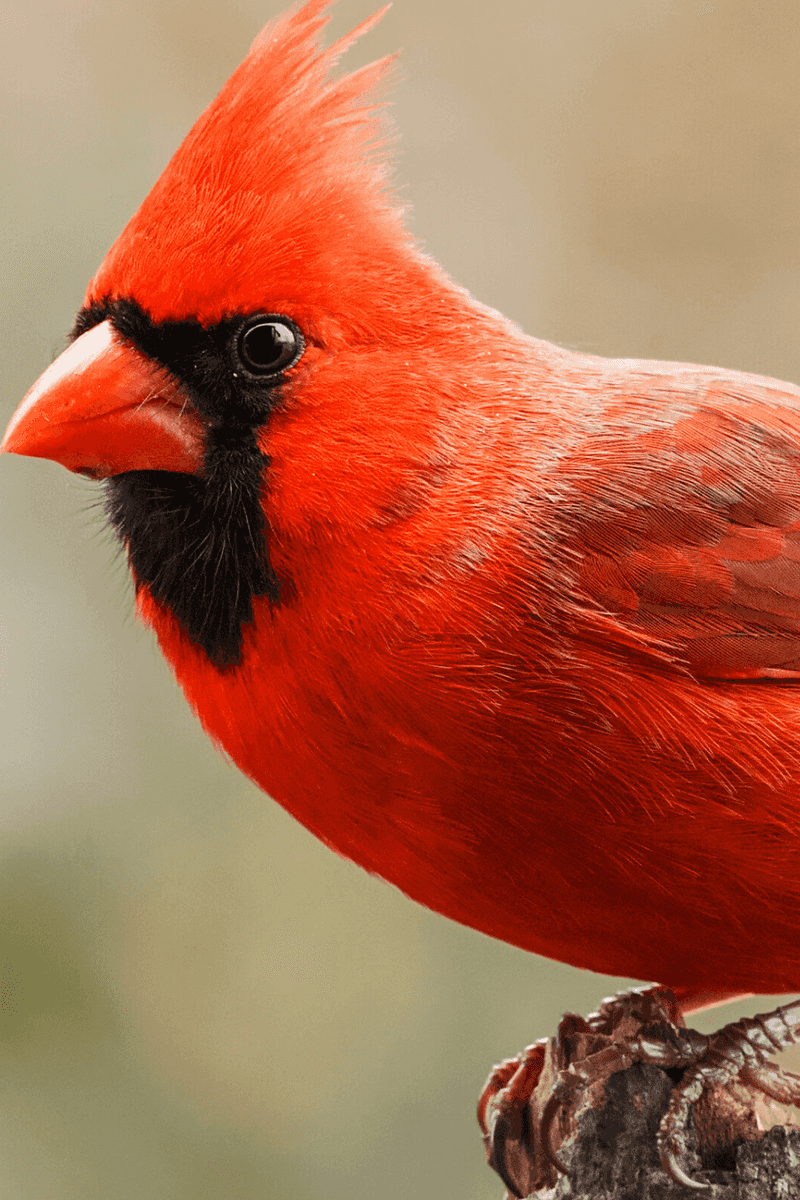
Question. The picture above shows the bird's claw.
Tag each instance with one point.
(528, 1103)
(503, 1114)
(550, 1131)
(671, 1136)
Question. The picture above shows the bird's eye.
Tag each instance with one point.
(269, 344)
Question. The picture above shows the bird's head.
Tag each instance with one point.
(268, 253)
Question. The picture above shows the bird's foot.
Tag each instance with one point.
(527, 1106)
(736, 1057)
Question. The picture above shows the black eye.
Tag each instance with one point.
(269, 344)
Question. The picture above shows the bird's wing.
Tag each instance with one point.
(684, 528)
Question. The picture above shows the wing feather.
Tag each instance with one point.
(684, 520)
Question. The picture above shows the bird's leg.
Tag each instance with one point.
(527, 1105)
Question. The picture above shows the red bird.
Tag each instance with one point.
(516, 628)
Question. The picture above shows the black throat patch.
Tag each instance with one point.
(201, 543)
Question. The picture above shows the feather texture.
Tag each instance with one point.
(515, 628)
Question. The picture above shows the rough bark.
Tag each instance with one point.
(612, 1154)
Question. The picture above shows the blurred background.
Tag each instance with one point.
(197, 999)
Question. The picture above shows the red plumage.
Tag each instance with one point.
(536, 654)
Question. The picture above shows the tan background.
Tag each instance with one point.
(197, 999)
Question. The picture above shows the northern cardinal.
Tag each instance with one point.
(516, 628)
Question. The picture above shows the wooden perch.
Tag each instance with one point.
(613, 1156)
(586, 1098)
(734, 1143)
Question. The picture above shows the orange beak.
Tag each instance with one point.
(103, 408)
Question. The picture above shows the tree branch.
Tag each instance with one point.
(613, 1155)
